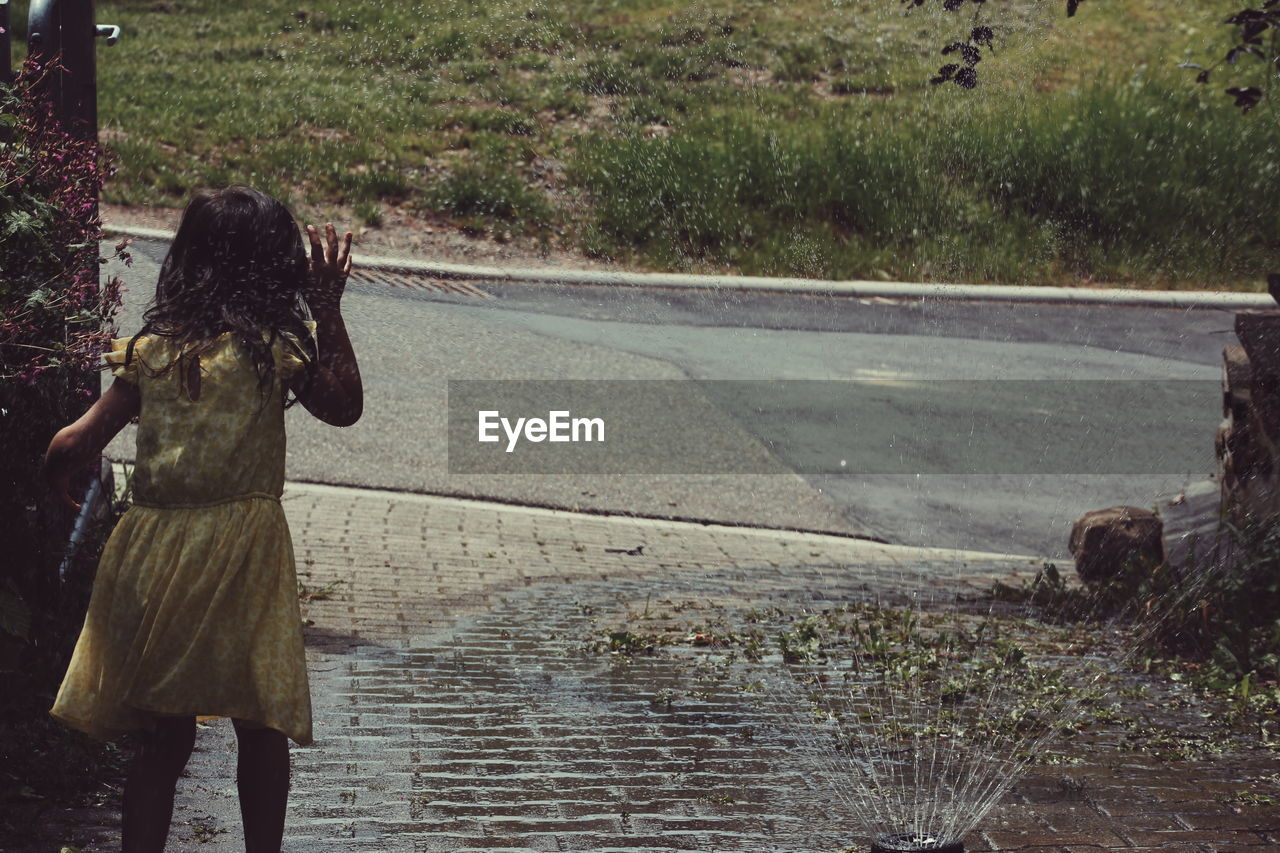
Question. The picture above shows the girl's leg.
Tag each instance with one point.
(262, 776)
(148, 789)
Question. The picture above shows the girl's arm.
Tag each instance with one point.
(332, 390)
(75, 446)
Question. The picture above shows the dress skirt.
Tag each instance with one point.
(194, 612)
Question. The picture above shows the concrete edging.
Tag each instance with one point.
(1190, 299)
(871, 546)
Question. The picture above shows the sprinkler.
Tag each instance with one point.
(913, 842)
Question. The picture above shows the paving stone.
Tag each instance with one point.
(456, 707)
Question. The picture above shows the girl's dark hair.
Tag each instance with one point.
(237, 265)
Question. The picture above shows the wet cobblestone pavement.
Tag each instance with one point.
(514, 735)
(463, 702)
(511, 733)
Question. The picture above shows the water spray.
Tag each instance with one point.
(921, 711)
(912, 842)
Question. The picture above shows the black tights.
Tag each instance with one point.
(262, 776)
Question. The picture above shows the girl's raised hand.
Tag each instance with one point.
(330, 266)
(332, 391)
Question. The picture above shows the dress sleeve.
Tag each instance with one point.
(291, 361)
(115, 359)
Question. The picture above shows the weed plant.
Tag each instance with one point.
(968, 678)
(1216, 618)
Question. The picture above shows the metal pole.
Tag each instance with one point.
(63, 31)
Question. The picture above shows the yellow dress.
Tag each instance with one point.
(194, 608)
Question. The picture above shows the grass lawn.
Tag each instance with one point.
(766, 138)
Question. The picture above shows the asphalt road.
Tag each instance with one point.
(925, 422)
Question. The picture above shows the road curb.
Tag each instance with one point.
(554, 514)
(1189, 299)
(562, 515)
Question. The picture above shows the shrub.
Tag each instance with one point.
(53, 314)
(53, 325)
(486, 188)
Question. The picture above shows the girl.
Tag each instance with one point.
(194, 608)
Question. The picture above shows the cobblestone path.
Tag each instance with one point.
(463, 701)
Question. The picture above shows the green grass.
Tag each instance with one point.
(798, 138)
(1119, 181)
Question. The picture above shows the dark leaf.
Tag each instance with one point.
(1234, 53)
(1247, 16)
(1246, 98)
(968, 53)
(952, 5)
(945, 73)
(982, 35)
(967, 78)
(1072, 5)
(1252, 30)
(1203, 76)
